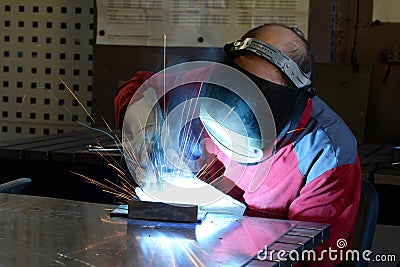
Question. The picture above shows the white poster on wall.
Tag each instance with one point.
(199, 23)
(386, 10)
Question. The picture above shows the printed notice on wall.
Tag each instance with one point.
(202, 23)
(386, 10)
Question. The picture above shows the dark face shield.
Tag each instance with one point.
(246, 144)
(237, 117)
(281, 100)
(287, 103)
(232, 120)
(231, 124)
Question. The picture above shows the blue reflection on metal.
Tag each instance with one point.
(218, 238)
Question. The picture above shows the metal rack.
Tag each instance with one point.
(44, 47)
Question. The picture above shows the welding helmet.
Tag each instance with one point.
(237, 117)
(247, 144)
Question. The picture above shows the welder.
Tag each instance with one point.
(313, 171)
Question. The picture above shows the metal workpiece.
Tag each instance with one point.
(40, 231)
(149, 210)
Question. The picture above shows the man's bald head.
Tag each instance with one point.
(290, 41)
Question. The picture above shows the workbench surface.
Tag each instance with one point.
(42, 231)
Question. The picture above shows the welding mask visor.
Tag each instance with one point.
(286, 104)
(237, 117)
(232, 122)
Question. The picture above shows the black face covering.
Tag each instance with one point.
(281, 99)
(287, 103)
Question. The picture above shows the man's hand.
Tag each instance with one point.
(213, 173)
(223, 184)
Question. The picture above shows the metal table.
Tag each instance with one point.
(70, 147)
(52, 161)
(42, 231)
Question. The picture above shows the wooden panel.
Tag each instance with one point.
(320, 29)
(345, 92)
(374, 39)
